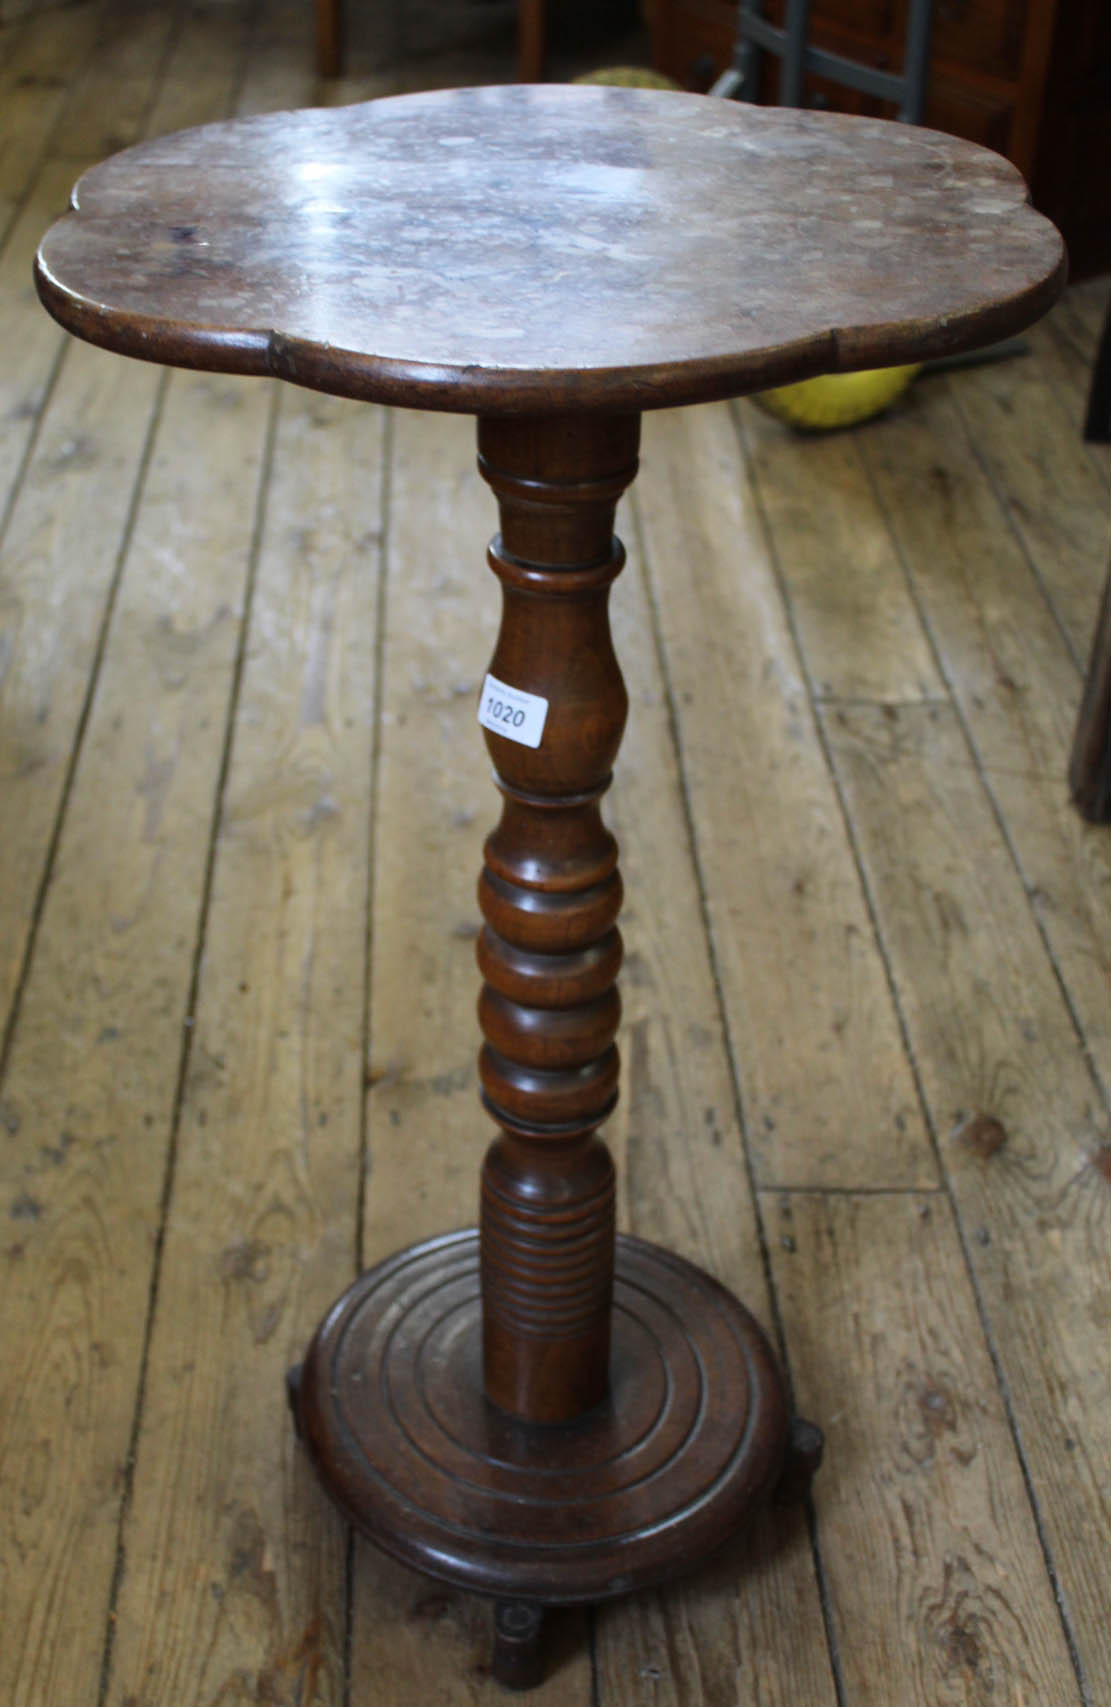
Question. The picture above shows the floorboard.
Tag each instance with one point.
(959, 1607)
(1007, 658)
(237, 1542)
(1021, 1123)
(828, 1093)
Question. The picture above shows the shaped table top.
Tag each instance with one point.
(511, 249)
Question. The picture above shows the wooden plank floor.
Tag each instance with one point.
(867, 1039)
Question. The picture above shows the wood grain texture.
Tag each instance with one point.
(1009, 671)
(255, 1571)
(109, 102)
(923, 1495)
(1021, 422)
(279, 73)
(204, 69)
(1086, 310)
(60, 558)
(31, 351)
(726, 1634)
(794, 947)
(72, 508)
(426, 1131)
(35, 72)
(393, 251)
(1060, 343)
(251, 1564)
(87, 1139)
(858, 629)
(1023, 1129)
(105, 1004)
(1079, 329)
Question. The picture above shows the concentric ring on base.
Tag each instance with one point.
(689, 1440)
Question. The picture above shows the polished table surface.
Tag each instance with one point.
(524, 249)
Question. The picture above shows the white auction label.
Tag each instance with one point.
(511, 712)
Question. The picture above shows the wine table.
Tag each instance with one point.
(537, 1409)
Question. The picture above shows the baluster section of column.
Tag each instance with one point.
(550, 894)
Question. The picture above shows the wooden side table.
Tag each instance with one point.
(537, 1410)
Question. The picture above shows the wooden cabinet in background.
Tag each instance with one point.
(1030, 78)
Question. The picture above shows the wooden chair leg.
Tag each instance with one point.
(1090, 765)
(1097, 428)
(530, 40)
(329, 30)
(518, 1658)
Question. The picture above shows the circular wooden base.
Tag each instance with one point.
(691, 1436)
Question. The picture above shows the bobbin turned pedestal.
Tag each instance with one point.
(550, 894)
(537, 1410)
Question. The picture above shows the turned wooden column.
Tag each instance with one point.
(550, 893)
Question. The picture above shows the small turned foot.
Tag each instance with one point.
(805, 1444)
(518, 1662)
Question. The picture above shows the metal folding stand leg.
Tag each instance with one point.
(788, 43)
